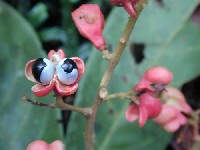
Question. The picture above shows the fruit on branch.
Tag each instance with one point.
(89, 21)
(56, 73)
(127, 4)
(148, 107)
(154, 79)
(172, 117)
(175, 97)
(42, 145)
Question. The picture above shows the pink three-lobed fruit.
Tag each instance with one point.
(154, 79)
(127, 4)
(89, 21)
(174, 97)
(42, 145)
(171, 117)
(148, 107)
(42, 89)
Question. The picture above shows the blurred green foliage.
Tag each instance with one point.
(169, 36)
(38, 14)
(21, 123)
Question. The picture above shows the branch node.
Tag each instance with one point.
(88, 112)
(122, 40)
(103, 92)
(106, 55)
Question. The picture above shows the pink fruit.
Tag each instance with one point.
(154, 79)
(42, 145)
(89, 21)
(149, 107)
(56, 73)
(127, 4)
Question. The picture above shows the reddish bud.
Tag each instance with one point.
(174, 97)
(158, 74)
(90, 22)
(132, 113)
(127, 4)
(170, 118)
(149, 107)
(152, 104)
(154, 79)
(174, 125)
(42, 145)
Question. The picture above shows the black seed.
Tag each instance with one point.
(37, 68)
(68, 65)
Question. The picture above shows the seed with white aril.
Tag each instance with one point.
(43, 70)
(67, 71)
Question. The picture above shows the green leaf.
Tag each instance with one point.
(21, 123)
(160, 29)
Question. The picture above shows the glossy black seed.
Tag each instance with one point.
(68, 65)
(37, 68)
